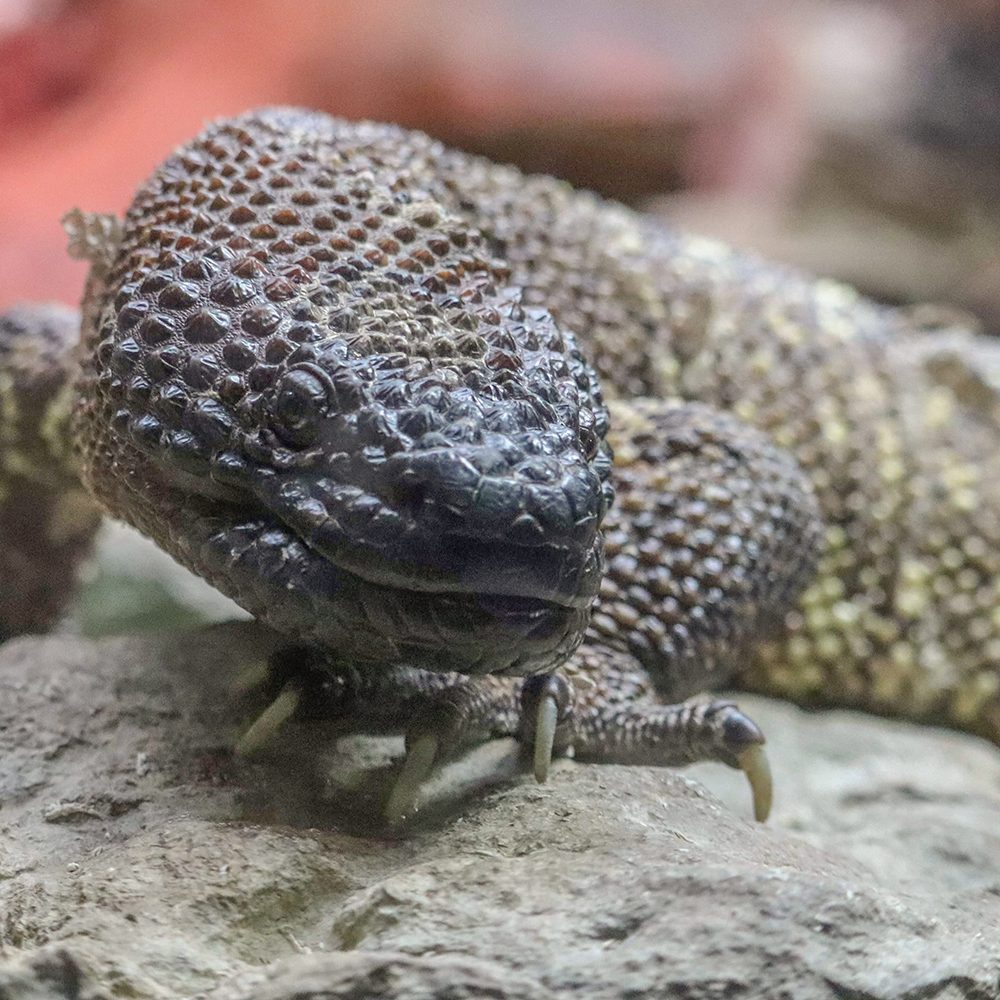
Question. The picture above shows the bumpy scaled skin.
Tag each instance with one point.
(338, 370)
(898, 428)
(47, 521)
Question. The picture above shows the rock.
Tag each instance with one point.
(47, 974)
(347, 975)
(139, 857)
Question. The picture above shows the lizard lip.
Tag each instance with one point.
(473, 631)
(526, 580)
(381, 548)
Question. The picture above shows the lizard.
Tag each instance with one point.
(502, 458)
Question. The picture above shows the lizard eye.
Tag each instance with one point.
(300, 403)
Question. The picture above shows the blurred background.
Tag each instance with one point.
(858, 139)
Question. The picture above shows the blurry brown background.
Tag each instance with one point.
(858, 138)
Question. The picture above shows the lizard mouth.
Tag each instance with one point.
(497, 613)
(378, 615)
(386, 545)
(517, 578)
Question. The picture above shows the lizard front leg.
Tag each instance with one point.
(603, 710)
(715, 533)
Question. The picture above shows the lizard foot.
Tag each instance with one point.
(674, 735)
(473, 711)
(442, 715)
(451, 720)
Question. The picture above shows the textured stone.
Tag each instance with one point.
(134, 847)
(48, 974)
(360, 975)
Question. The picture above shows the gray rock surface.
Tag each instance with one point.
(139, 859)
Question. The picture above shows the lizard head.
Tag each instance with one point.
(298, 335)
(454, 466)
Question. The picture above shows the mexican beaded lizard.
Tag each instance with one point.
(339, 371)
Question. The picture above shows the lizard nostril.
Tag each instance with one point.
(300, 402)
(408, 497)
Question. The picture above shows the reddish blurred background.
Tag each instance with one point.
(744, 111)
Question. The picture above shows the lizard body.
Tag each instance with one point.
(345, 374)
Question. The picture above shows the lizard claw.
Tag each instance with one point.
(754, 764)
(745, 742)
(253, 677)
(420, 757)
(546, 710)
(546, 720)
(269, 721)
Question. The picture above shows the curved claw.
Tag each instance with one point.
(269, 721)
(253, 677)
(416, 769)
(546, 720)
(754, 764)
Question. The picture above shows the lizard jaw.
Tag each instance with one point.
(279, 575)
